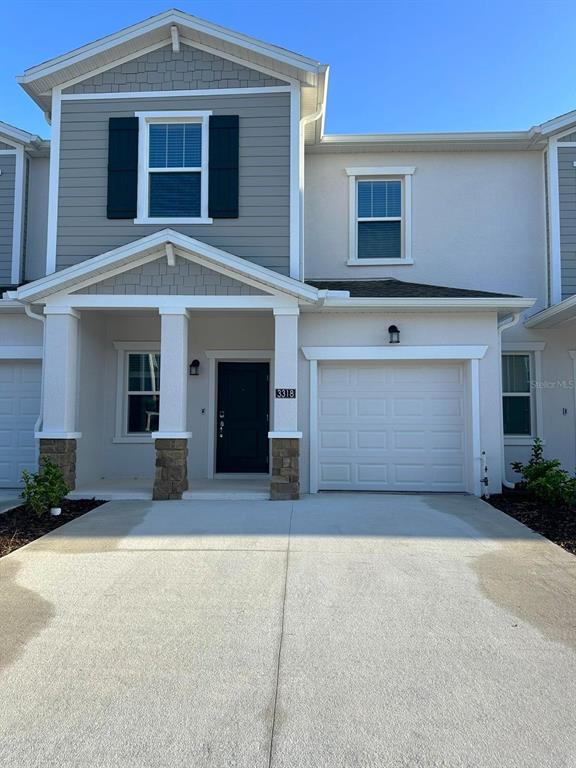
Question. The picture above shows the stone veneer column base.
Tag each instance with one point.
(61, 452)
(285, 483)
(171, 478)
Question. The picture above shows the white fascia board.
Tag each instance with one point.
(100, 266)
(167, 19)
(509, 139)
(415, 304)
(396, 352)
(67, 303)
(553, 316)
(16, 134)
(557, 124)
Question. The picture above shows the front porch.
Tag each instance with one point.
(169, 364)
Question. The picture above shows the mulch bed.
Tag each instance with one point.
(555, 523)
(19, 526)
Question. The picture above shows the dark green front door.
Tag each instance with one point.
(242, 417)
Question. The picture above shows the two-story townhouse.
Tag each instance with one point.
(229, 294)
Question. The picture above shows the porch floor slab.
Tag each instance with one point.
(232, 489)
(340, 631)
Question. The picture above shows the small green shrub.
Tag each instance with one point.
(545, 480)
(44, 489)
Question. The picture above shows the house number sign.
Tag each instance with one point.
(286, 394)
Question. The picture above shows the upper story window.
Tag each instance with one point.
(173, 176)
(380, 215)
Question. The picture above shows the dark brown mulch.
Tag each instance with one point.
(556, 523)
(20, 526)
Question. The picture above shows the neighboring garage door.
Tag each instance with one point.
(392, 426)
(19, 408)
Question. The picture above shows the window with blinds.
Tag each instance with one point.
(379, 219)
(175, 169)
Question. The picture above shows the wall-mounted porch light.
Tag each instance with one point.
(394, 334)
(194, 365)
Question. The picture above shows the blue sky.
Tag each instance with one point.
(396, 65)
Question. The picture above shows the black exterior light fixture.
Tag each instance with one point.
(394, 334)
(194, 365)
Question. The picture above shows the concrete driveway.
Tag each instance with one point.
(339, 631)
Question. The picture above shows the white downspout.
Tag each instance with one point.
(509, 322)
(42, 319)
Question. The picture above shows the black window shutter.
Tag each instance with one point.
(122, 168)
(223, 167)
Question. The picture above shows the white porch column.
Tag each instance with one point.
(59, 391)
(171, 440)
(60, 374)
(285, 437)
(173, 420)
(285, 423)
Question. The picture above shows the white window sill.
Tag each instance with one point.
(379, 262)
(147, 439)
(173, 221)
(520, 440)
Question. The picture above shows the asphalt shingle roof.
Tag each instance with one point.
(392, 288)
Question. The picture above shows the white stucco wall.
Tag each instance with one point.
(17, 329)
(477, 219)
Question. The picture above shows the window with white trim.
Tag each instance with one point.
(173, 177)
(142, 393)
(517, 394)
(380, 215)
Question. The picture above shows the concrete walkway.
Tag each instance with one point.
(339, 631)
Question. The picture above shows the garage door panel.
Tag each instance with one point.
(402, 429)
(19, 409)
(375, 439)
(331, 439)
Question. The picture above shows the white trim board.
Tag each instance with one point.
(54, 183)
(18, 218)
(240, 355)
(21, 353)
(395, 353)
(135, 95)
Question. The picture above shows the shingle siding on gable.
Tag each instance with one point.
(570, 137)
(3, 145)
(261, 232)
(166, 70)
(185, 278)
(7, 187)
(567, 183)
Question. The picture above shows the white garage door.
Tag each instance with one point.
(392, 426)
(19, 408)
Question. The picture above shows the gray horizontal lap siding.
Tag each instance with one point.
(567, 188)
(167, 70)
(261, 232)
(7, 187)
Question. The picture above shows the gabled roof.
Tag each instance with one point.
(38, 81)
(16, 136)
(130, 255)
